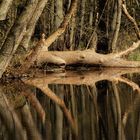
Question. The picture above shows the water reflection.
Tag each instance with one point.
(94, 105)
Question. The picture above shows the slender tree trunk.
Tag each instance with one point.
(82, 17)
(118, 23)
(91, 13)
(59, 114)
(31, 25)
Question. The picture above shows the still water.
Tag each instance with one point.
(71, 105)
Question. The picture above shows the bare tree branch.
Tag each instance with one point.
(131, 19)
(130, 49)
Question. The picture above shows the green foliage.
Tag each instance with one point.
(135, 56)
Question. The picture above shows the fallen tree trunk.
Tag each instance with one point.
(89, 57)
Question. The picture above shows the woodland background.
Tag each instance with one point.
(98, 24)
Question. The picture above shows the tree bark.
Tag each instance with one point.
(4, 7)
(15, 36)
(118, 23)
(31, 25)
(43, 44)
(89, 57)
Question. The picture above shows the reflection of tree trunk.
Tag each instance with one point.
(59, 114)
(83, 109)
(108, 107)
(60, 102)
(133, 107)
(73, 102)
(120, 133)
(94, 114)
(86, 77)
(59, 123)
(35, 103)
(29, 124)
(102, 89)
(138, 128)
(10, 118)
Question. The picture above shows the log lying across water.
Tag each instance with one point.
(89, 57)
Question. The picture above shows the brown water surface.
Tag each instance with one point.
(71, 105)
